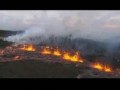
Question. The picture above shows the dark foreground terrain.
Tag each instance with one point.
(39, 69)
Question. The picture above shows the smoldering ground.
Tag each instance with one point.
(94, 33)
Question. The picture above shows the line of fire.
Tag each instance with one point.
(20, 53)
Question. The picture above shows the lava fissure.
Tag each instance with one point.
(102, 67)
(28, 48)
(47, 53)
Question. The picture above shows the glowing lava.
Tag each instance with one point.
(46, 51)
(98, 66)
(57, 53)
(107, 69)
(66, 56)
(1, 52)
(102, 67)
(74, 58)
(28, 48)
(17, 58)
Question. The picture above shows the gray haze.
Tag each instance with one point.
(100, 25)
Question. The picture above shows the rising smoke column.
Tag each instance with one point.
(96, 25)
(30, 36)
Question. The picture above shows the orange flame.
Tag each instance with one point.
(1, 52)
(66, 56)
(107, 69)
(46, 50)
(28, 48)
(102, 67)
(17, 58)
(57, 53)
(74, 58)
(98, 66)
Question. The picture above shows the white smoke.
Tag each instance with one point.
(25, 37)
(96, 25)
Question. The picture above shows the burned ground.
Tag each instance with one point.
(40, 69)
(33, 64)
(37, 69)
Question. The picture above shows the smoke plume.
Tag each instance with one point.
(94, 33)
(95, 25)
(44, 27)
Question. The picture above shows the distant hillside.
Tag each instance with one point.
(86, 46)
(3, 44)
(5, 33)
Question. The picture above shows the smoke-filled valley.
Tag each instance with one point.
(93, 51)
(89, 36)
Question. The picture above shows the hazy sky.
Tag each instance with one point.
(102, 24)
